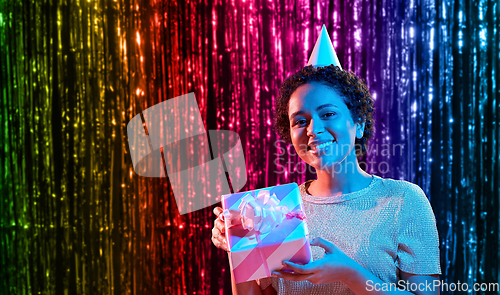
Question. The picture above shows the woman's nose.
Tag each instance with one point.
(315, 127)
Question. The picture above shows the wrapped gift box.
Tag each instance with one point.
(265, 227)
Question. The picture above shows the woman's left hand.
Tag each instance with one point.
(335, 266)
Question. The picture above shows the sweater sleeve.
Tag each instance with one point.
(418, 240)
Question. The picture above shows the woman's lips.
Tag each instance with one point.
(320, 147)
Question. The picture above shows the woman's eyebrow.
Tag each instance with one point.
(327, 105)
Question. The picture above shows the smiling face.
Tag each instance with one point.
(321, 126)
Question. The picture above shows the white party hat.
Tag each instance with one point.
(323, 53)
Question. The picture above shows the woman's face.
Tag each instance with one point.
(321, 127)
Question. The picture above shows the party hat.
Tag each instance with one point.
(323, 53)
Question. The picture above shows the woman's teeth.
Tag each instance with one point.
(322, 146)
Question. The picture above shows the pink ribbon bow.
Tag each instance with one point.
(262, 213)
(297, 213)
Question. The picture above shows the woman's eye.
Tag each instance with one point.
(300, 122)
(328, 114)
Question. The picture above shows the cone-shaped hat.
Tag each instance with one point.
(323, 53)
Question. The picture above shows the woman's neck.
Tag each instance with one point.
(347, 177)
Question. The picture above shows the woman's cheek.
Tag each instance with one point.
(299, 150)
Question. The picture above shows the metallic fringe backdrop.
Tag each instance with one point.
(76, 219)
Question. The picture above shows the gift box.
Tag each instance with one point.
(265, 227)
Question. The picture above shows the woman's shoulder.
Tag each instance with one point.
(411, 202)
(409, 194)
(401, 187)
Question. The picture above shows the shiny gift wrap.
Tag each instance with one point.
(264, 228)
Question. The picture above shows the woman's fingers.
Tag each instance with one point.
(220, 226)
(219, 239)
(221, 244)
(218, 211)
(218, 231)
(297, 268)
(327, 245)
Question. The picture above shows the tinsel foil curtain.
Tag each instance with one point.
(76, 219)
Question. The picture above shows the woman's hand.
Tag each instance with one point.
(333, 267)
(219, 231)
(337, 266)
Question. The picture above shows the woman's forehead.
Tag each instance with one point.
(313, 95)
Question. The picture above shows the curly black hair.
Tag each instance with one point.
(353, 89)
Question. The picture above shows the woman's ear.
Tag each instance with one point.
(360, 129)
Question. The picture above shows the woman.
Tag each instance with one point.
(373, 231)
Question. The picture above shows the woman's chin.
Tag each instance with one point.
(324, 165)
(323, 162)
(330, 164)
